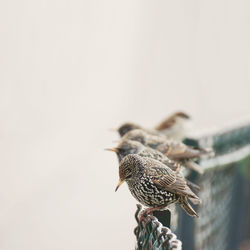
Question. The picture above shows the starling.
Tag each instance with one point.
(155, 185)
(129, 126)
(134, 147)
(174, 150)
(173, 127)
(126, 127)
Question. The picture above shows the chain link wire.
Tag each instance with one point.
(151, 234)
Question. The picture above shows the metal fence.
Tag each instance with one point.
(151, 234)
(224, 215)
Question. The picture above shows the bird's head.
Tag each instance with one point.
(181, 116)
(126, 127)
(129, 166)
(126, 147)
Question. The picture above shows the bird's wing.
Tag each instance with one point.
(168, 180)
(157, 155)
(178, 150)
(171, 121)
(174, 165)
(168, 123)
(163, 177)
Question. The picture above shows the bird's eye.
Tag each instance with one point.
(129, 176)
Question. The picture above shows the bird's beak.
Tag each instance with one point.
(119, 184)
(112, 149)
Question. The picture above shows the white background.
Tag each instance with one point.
(69, 71)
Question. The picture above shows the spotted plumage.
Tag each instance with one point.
(174, 150)
(155, 185)
(171, 148)
(149, 195)
(134, 147)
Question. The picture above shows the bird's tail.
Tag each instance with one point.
(187, 207)
(208, 152)
(195, 188)
(194, 166)
(195, 201)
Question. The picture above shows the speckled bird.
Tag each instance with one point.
(154, 185)
(175, 126)
(126, 147)
(174, 150)
(134, 147)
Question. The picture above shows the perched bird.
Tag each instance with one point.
(127, 147)
(126, 127)
(174, 150)
(135, 147)
(155, 185)
(173, 127)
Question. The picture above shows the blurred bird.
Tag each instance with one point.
(173, 127)
(155, 185)
(174, 150)
(134, 147)
(126, 127)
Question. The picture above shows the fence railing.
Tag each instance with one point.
(151, 234)
(224, 216)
